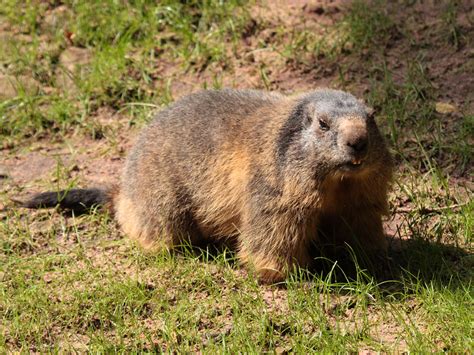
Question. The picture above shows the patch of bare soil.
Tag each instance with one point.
(256, 61)
(80, 157)
(87, 160)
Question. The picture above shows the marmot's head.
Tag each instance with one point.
(337, 134)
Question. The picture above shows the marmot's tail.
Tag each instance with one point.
(77, 200)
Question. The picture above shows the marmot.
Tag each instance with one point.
(273, 174)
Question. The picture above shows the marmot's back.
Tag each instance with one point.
(210, 118)
(191, 132)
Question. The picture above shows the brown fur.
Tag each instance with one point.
(210, 168)
(282, 178)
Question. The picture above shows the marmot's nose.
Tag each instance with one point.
(358, 144)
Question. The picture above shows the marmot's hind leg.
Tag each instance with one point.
(156, 228)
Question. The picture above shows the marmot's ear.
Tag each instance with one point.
(309, 112)
(370, 112)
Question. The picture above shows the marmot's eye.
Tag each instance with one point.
(323, 125)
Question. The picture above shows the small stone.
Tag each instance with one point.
(57, 17)
(444, 107)
(11, 86)
(73, 57)
(71, 61)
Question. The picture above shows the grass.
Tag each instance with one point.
(121, 44)
(75, 283)
(103, 294)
